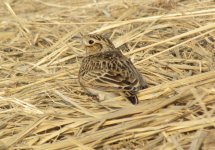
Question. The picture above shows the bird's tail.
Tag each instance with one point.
(132, 98)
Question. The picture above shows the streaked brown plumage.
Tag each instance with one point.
(106, 69)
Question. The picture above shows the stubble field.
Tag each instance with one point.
(171, 42)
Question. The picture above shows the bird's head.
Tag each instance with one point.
(95, 43)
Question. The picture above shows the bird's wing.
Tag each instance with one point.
(111, 72)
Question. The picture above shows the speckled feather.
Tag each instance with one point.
(110, 71)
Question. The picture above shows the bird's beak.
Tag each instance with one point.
(81, 36)
(78, 37)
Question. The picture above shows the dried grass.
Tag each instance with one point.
(42, 105)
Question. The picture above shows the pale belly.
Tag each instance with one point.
(102, 95)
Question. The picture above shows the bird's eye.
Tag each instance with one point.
(90, 41)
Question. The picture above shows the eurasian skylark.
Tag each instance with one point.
(106, 72)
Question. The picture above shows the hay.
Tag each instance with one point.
(42, 105)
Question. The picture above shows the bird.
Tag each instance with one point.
(105, 72)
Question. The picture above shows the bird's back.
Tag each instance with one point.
(109, 71)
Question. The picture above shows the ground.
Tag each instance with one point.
(171, 42)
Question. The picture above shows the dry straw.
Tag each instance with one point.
(43, 107)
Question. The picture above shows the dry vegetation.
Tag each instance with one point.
(171, 42)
